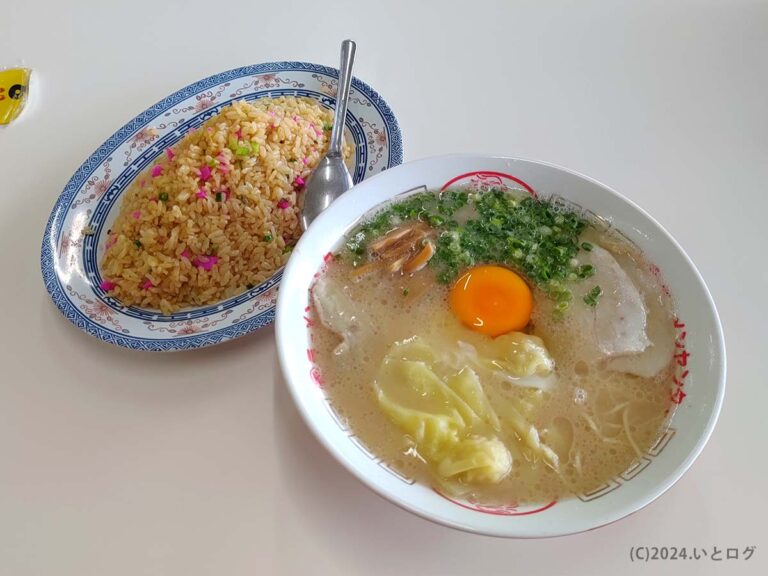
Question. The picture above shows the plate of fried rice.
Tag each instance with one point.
(174, 233)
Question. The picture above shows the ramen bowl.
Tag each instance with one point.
(698, 385)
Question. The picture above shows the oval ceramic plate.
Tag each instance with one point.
(74, 237)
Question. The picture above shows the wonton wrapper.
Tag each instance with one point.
(451, 422)
(518, 358)
(467, 385)
(476, 460)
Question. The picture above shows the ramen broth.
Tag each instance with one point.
(595, 414)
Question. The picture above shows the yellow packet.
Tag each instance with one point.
(14, 86)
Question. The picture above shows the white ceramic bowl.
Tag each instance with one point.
(700, 341)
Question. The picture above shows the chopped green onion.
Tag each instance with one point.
(563, 295)
(267, 237)
(212, 163)
(586, 246)
(218, 196)
(244, 149)
(255, 147)
(405, 291)
(327, 127)
(586, 271)
(436, 220)
(287, 249)
(137, 243)
(593, 296)
(163, 196)
(526, 234)
(232, 144)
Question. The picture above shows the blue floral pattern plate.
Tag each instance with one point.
(77, 228)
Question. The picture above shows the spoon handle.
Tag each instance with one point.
(342, 94)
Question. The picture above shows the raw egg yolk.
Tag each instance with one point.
(492, 300)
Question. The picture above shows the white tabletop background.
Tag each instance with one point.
(115, 462)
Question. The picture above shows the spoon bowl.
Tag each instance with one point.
(331, 178)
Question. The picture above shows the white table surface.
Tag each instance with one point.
(115, 462)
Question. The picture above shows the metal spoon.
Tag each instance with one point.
(331, 178)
